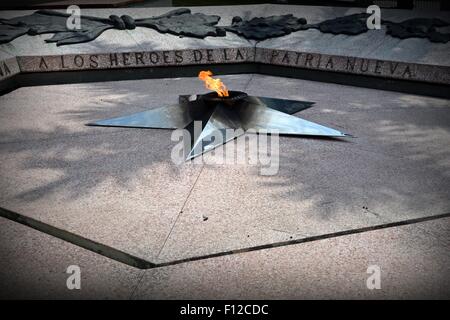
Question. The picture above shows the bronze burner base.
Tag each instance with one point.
(234, 98)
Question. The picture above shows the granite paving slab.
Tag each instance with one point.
(34, 266)
(396, 168)
(413, 261)
(119, 186)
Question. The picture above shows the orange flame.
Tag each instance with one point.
(213, 84)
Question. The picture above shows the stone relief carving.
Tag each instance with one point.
(183, 22)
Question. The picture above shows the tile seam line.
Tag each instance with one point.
(130, 34)
(180, 212)
(137, 285)
(19, 65)
(192, 189)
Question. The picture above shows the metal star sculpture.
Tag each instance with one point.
(217, 114)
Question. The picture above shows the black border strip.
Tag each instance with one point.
(137, 262)
(78, 240)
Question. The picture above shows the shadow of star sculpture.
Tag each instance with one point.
(216, 115)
